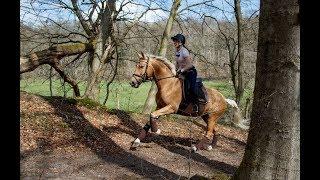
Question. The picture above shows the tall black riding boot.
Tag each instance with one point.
(195, 107)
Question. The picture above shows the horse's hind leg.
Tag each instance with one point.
(211, 128)
(210, 138)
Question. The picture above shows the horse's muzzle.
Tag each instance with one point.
(134, 83)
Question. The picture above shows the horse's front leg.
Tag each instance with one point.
(152, 124)
(169, 109)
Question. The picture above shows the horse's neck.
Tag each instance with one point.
(162, 71)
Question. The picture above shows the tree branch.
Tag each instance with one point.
(51, 55)
(67, 79)
(77, 11)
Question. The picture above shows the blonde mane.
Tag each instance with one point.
(165, 61)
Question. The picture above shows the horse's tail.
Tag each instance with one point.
(232, 103)
(236, 118)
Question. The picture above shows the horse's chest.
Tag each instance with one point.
(160, 101)
(169, 97)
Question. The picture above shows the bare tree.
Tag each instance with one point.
(240, 88)
(150, 101)
(97, 20)
(236, 37)
(273, 146)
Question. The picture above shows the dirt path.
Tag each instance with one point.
(64, 140)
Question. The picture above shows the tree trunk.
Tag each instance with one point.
(112, 78)
(166, 34)
(239, 91)
(231, 49)
(150, 101)
(273, 146)
(96, 71)
(50, 82)
(103, 51)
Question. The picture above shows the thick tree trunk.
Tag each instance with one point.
(98, 65)
(273, 146)
(239, 91)
(104, 49)
(150, 101)
(96, 71)
(50, 82)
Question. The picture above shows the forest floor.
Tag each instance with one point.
(66, 139)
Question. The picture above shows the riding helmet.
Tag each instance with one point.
(180, 38)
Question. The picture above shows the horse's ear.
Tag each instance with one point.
(143, 56)
(140, 55)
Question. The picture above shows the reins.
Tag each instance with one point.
(157, 80)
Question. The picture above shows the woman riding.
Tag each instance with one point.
(185, 67)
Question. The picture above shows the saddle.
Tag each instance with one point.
(201, 94)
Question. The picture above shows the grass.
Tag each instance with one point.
(122, 95)
(226, 88)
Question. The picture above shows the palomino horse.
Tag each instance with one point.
(169, 97)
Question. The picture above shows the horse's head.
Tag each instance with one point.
(143, 71)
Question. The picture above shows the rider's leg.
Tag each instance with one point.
(192, 77)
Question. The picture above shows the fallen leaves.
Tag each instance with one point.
(55, 123)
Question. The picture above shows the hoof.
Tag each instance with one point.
(196, 148)
(158, 131)
(193, 148)
(209, 148)
(134, 146)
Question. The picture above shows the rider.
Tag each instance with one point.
(186, 68)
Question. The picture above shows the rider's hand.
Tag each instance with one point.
(178, 73)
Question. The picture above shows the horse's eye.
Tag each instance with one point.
(140, 66)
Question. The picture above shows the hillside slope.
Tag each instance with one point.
(63, 138)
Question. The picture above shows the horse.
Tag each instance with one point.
(169, 96)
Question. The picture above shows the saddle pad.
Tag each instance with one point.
(201, 91)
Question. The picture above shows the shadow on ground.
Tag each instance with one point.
(164, 140)
(98, 141)
(103, 146)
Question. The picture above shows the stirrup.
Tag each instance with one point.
(195, 108)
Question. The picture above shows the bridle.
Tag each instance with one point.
(144, 77)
